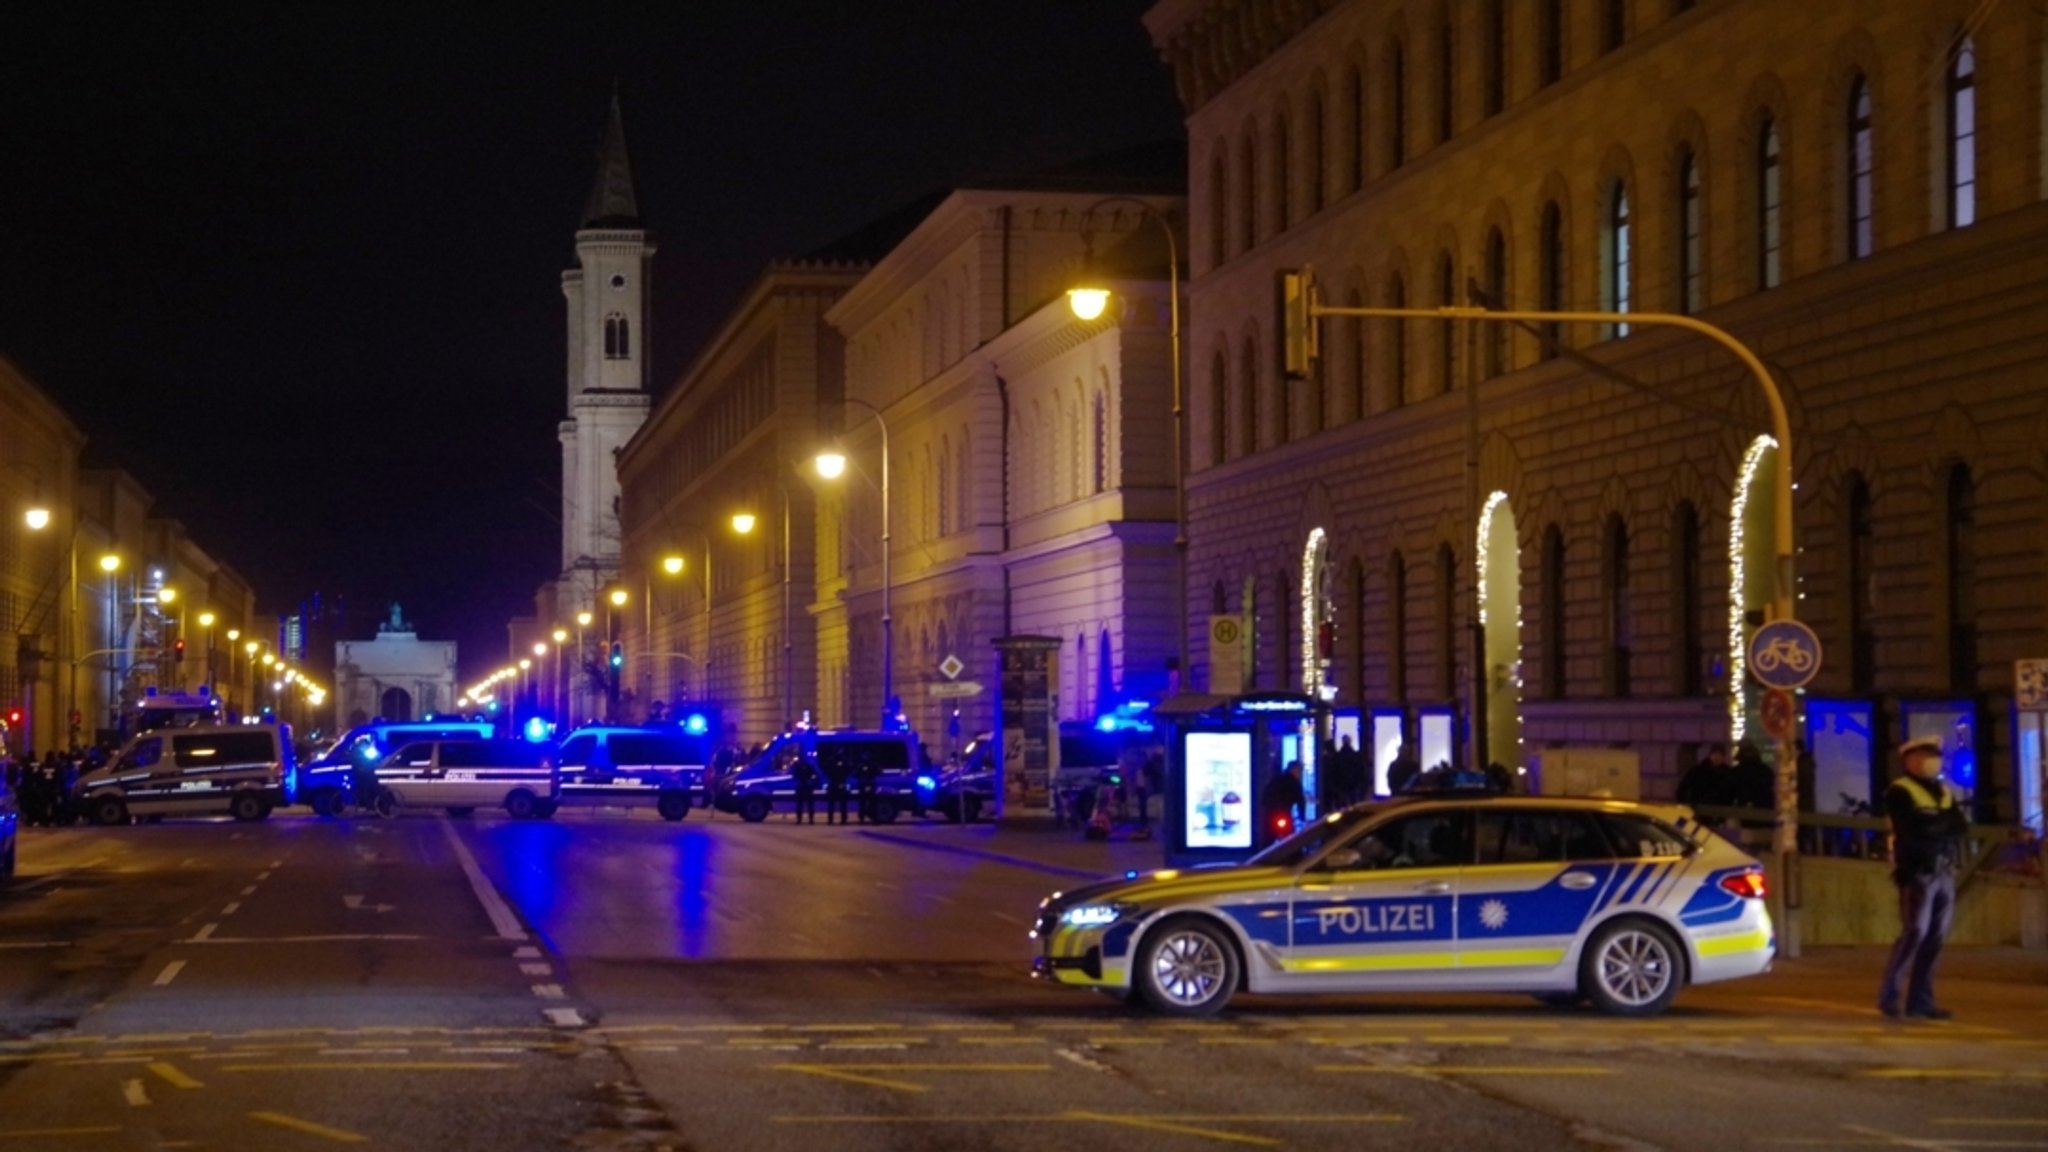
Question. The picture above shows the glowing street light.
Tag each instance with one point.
(832, 465)
(38, 518)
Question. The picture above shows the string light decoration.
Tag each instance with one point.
(1738, 578)
(1311, 614)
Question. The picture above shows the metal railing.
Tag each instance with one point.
(2003, 849)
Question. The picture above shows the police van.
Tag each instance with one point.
(1616, 903)
(239, 770)
(605, 766)
(768, 783)
(334, 779)
(463, 775)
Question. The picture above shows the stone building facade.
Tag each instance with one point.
(396, 676)
(1853, 189)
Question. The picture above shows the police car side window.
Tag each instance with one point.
(1636, 836)
(1521, 837)
(413, 756)
(1425, 840)
(576, 753)
(146, 753)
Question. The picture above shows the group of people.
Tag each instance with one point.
(1715, 782)
(844, 780)
(46, 789)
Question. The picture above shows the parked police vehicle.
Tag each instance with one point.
(605, 766)
(768, 784)
(345, 772)
(462, 775)
(964, 791)
(239, 770)
(1618, 903)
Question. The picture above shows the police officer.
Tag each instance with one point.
(1928, 825)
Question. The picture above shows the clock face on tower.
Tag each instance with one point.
(618, 282)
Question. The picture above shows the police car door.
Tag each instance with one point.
(1380, 911)
(1536, 877)
(407, 769)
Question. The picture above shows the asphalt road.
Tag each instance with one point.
(597, 982)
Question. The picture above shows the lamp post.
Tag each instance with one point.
(540, 649)
(250, 648)
(832, 465)
(617, 599)
(109, 564)
(560, 695)
(206, 620)
(1087, 301)
(743, 523)
(577, 685)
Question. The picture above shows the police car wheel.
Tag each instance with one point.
(970, 810)
(1187, 968)
(754, 809)
(385, 803)
(672, 806)
(109, 811)
(884, 811)
(248, 807)
(1632, 968)
(519, 805)
(326, 802)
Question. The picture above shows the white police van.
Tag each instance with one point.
(331, 781)
(1618, 903)
(608, 766)
(239, 770)
(463, 775)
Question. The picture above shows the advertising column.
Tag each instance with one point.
(1027, 724)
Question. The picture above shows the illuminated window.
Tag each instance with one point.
(1962, 135)
(1768, 192)
(1858, 185)
(1616, 243)
(1691, 277)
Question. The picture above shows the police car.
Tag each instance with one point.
(1618, 903)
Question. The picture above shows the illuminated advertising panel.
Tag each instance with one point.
(1219, 789)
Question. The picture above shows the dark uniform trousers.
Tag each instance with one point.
(1927, 906)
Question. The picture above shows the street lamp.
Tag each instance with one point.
(1087, 300)
(582, 653)
(743, 523)
(617, 598)
(831, 466)
(109, 564)
(206, 620)
(562, 717)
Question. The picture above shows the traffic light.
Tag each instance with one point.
(1297, 324)
(618, 655)
(14, 717)
(178, 651)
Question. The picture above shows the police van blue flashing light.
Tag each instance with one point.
(538, 729)
(927, 782)
(1129, 716)
(696, 724)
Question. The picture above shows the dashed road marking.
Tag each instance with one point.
(132, 1091)
(536, 970)
(859, 1073)
(564, 1017)
(204, 933)
(249, 891)
(232, 907)
(169, 973)
(338, 1135)
(374, 1066)
(526, 952)
(548, 991)
(169, 1074)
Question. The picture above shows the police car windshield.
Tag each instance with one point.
(1310, 841)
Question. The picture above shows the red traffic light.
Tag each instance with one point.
(178, 652)
(14, 717)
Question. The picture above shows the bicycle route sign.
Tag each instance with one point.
(1784, 654)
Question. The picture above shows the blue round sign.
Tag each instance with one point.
(1784, 654)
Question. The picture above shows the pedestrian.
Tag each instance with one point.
(832, 762)
(1283, 800)
(1928, 825)
(1706, 783)
(805, 775)
(865, 773)
(1402, 772)
(1753, 784)
(1347, 774)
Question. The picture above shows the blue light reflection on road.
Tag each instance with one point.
(532, 852)
(693, 853)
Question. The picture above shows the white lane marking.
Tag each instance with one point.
(131, 1090)
(276, 864)
(548, 991)
(495, 907)
(201, 936)
(564, 1017)
(352, 901)
(262, 876)
(536, 970)
(169, 973)
(249, 891)
(231, 908)
(33, 882)
(331, 938)
(526, 952)
(1006, 918)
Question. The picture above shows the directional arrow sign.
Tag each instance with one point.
(956, 689)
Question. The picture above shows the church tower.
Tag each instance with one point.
(607, 376)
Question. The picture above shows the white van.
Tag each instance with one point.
(239, 770)
(464, 775)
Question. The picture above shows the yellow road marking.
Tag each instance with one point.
(374, 1066)
(52, 1133)
(1953, 1074)
(1996, 1123)
(1236, 1040)
(1474, 1069)
(856, 1073)
(1181, 1129)
(1094, 1118)
(338, 1135)
(1467, 1039)
(169, 1074)
(1127, 1041)
(1354, 1041)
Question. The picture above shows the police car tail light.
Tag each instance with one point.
(1748, 885)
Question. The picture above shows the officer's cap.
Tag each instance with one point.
(1928, 744)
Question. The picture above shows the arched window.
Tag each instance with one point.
(1248, 189)
(1446, 78)
(1248, 387)
(1614, 273)
(1862, 581)
(1494, 20)
(941, 483)
(1354, 130)
(1620, 608)
(1550, 273)
(1446, 622)
(1686, 650)
(618, 338)
(1960, 557)
(1497, 346)
(1219, 211)
(1768, 192)
(1691, 270)
(1219, 409)
(1552, 624)
(1318, 145)
(1856, 204)
(1397, 103)
(1613, 24)
(1549, 42)
(1283, 162)
(1397, 628)
(1961, 134)
(1397, 344)
(1446, 334)
(963, 490)
(1361, 400)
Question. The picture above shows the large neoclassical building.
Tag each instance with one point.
(1583, 545)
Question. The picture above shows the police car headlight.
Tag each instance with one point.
(1095, 915)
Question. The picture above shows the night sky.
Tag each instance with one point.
(296, 267)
